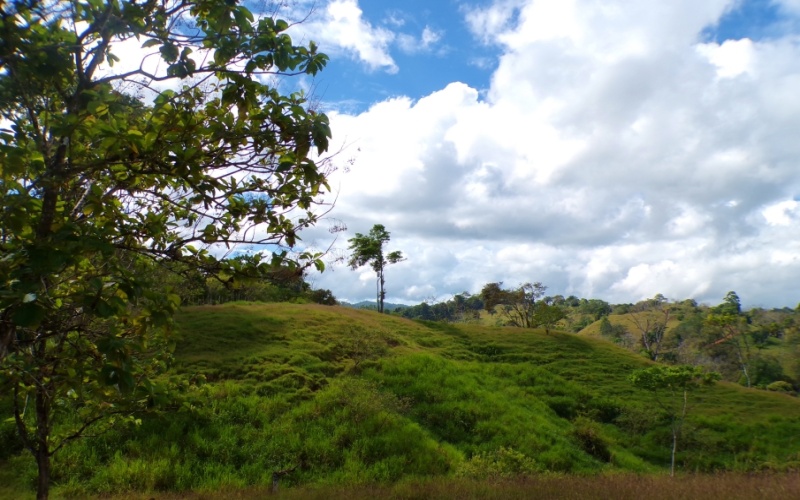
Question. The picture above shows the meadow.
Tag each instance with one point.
(338, 402)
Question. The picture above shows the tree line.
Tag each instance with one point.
(757, 347)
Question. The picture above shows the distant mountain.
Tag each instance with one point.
(368, 304)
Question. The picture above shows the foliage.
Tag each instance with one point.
(369, 249)
(547, 315)
(502, 463)
(670, 387)
(652, 328)
(766, 369)
(780, 386)
(590, 436)
(730, 332)
(462, 308)
(98, 187)
(517, 305)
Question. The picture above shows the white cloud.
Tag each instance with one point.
(430, 36)
(782, 213)
(615, 155)
(424, 43)
(732, 58)
(343, 29)
(486, 23)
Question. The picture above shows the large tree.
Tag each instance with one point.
(651, 318)
(108, 172)
(518, 305)
(369, 249)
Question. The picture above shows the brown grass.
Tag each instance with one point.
(616, 487)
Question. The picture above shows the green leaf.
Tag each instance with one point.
(169, 52)
(151, 43)
(28, 315)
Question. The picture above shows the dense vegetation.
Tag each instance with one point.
(339, 396)
(757, 347)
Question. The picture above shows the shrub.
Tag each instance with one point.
(589, 436)
(780, 386)
(498, 464)
(764, 370)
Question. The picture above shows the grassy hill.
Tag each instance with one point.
(342, 396)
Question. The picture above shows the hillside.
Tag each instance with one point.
(335, 395)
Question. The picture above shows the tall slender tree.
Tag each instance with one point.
(670, 387)
(369, 249)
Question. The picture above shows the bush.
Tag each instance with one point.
(765, 370)
(589, 436)
(498, 464)
(780, 386)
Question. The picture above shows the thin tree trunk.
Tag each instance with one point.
(42, 437)
(676, 429)
(378, 293)
(674, 448)
(43, 484)
(381, 292)
(742, 363)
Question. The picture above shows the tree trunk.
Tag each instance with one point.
(674, 448)
(381, 292)
(43, 484)
(742, 363)
(378, 293)
(42, 451)
(7, 333)
(676, 429)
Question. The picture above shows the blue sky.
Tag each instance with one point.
(754, 19)
(458, 56)
(455, 57)
(614, 149)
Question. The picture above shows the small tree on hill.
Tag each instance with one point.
(547, 316)
(369, 249)
(670, 387)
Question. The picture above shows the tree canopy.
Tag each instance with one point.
(519, 305)
(108, 172)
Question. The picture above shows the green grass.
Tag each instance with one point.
(341, 397)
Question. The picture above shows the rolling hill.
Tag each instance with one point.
(336, 395)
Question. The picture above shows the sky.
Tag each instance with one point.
(613, 150)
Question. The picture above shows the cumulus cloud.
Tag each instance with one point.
(343, 29)
(616, 155)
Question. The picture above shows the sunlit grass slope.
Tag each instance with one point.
(332, 395)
